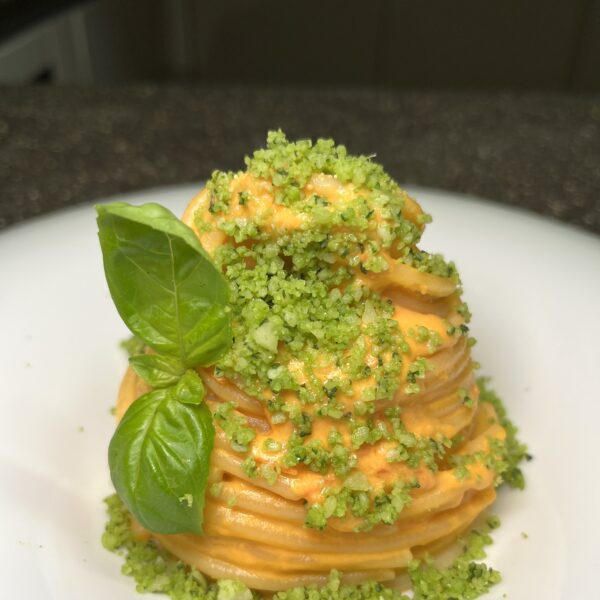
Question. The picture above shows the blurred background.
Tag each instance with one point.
(467, 44)
(498, 98)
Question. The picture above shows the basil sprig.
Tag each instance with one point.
(172, 297)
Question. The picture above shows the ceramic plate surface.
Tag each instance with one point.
(534, 289)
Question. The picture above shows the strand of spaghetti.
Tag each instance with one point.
(229, 463)
(404, 276)
(262, 556)
(228, 522)
(228, 392)
(447, 492)
(263, 580)
(427, 305)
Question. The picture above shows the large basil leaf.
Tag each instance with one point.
(159, 459)
(165, 287)
(157, 370)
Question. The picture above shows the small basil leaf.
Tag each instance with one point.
(159, 460)
(189, 388)
(158, 370)
(165, 287)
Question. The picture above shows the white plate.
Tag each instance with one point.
(532, 284)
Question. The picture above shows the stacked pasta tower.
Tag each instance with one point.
(349, 432)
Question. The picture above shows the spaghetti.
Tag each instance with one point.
(349, 430)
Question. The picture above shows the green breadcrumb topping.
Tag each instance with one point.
(353, 498)
(502, 457)
(294, 296)
(290, 165)
(405, 446)
(284, 311)
(155, 571)
(236, 427)
(302, 322)
(514, 451)
(465, 578)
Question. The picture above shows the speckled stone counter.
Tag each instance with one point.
(63, 145)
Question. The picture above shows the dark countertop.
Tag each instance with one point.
(64, 145)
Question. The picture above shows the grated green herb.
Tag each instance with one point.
(514, 451)
(155, 571)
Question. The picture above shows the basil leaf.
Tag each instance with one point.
(165, 287)
(159, 460)
(158, 370)
(190, 389)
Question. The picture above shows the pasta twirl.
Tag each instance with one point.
(349, 430)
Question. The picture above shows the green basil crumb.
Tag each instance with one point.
(356, 498)
(232, 589)
(155, 571)
(151, 568)
(462, 472)
(463, 394)
(463, 310)
(271, 445)
(250, 467)
(188, 499)
(416, 370)
(216, 489)
(316, 457)
(297, 300)
(465, 578)
(235, 426)
(270, 473)
(424, 335)
(514, 451)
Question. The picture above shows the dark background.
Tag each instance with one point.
(460, 44)
(498, 98)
